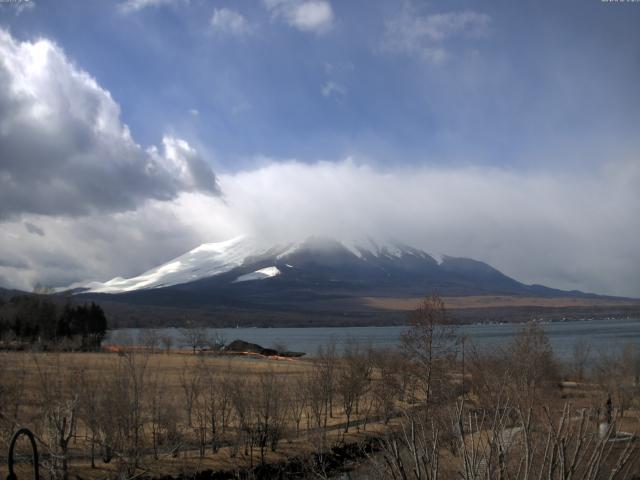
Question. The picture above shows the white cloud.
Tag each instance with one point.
(563, 230)
(64, 148)
(429, 35)
(332, 88)
(230, 22)
(17, 7)
(102, 245)
(131, 6)
(308, 16)
(194, 112)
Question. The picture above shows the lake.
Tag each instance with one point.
(604, 335)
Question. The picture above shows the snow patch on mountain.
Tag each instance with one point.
(376, 248)
(439, 258)
(353, 248)
(261, 274)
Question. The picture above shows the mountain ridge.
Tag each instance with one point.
(214, 259)
(324, 282)
(242, 269)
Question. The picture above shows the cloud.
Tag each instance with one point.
(131, 6)
(332, 88)
(34, 229)
(105, 245)
(194, 112)
(64, 148)
(565, 230)
(17, 7)
(568, 230)
(12, 263)
(230, 22)
(429, 36)
(314, 16)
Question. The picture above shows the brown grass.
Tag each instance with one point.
(170, 367)
(496, 301)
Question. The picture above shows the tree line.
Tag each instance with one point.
(35, 319)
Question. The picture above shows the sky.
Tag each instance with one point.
(132, 131)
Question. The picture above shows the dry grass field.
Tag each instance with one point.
(497, 301)
(177, 398)
(145, 413)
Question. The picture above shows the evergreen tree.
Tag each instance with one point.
(37, 319)
(64, 322)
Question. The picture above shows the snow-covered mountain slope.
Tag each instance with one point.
(205, 261)
(312, 265)
(211, 259)
(263, 273)
(248, 280)
(362, 249)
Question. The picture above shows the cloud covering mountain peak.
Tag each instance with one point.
(81, 200)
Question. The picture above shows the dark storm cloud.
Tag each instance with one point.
(13, 262)
(64, 149)
(34, 229)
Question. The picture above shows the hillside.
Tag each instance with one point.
(324, 281)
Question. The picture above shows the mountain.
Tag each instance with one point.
(317, 281)
(318, 264)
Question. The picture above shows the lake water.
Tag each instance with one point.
(603, 335)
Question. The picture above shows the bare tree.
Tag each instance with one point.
(616, 372)
(12, 388)
(580, 358)
(428, 342)
(316, 397)
(149, 339)
(560, 446)
(190, 383)
(242, 400)
(163, 418)
(491, 375)
(216, 341)
(122, 412)
(195, 337)
(386, 389)
(225, 406)
(89, 405)
(111, 415)
(630, 363)
(217, 395)
(201, 411)
(136, 366)
(297, 395)
(325, 366)
(532, 363)
(59, 407)
(353, 378)
(269, 412)
(167, 343)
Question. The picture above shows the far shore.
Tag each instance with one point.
(497, 301)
